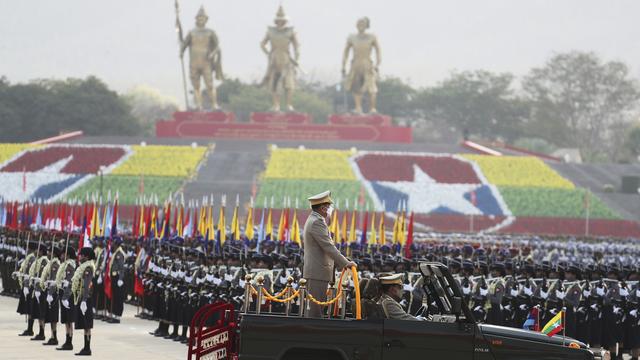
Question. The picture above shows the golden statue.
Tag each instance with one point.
(281, 73)
(363, 74)
(204, 59)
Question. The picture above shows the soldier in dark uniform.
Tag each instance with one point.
(67, 309)
(26, 295)
(82, 286)
(50, 308)
(116, 268)
(572, 297)
(99, 298)
(39, 293)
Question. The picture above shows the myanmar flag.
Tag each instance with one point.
(555, 325)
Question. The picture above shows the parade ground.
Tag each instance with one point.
(127, 340)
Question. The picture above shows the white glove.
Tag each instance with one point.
(634, 313)
(25, 291)
(527, 291)
(514, 292)
(594, 306)
(120, 283)
(49, 299)
(484, 292)
(560, 294)
(65, 283)
(624, 292)
(586, 293)
(65, 303)
(600, 291)
(523, 307)
(83, 307)
(100, 279)
(37, 294)
(466, 290)
(544, 294)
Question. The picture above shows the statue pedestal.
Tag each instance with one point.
(289, 118)
(360, 119)
(220, 117)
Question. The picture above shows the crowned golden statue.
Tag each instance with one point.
(363, 74)
(281, 72)
(204, 59)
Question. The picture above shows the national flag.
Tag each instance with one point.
(555, 325)
(222, 227)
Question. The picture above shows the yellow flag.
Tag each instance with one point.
(352, 229)
(295, 229)
(222, 226)
(382, 231)
(373, 239)
(335, 222)
(248, 230)
(343, 230)
(235, 225)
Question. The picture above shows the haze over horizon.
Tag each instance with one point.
(133, 42)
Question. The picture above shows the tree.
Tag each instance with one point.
(577, 99)
(476, 102)
(633, 141)
(46, 108)
(148, 106)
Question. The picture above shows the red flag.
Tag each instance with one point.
(407, 244)
(107, 271)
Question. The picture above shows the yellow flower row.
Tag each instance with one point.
(7, 151)
(519, 171)
(309, 164)
(155, 160)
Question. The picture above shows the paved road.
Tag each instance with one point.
(127, 340)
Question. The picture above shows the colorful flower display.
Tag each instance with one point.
(550, 202)
(156, 160)
(128, 187)
(341, 191)
(309, 164)
(7, 151)
(519, 171)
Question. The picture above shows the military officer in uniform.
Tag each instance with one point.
(81, 287)
(35, 274)
(26, 296)
(392, 291)
(320, 253)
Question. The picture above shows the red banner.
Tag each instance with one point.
(280, 118)
(213, 116)
(364, 119)
(309, 132)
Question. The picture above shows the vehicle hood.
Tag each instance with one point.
(513, 333)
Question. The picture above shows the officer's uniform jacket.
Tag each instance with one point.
(320, 253)
(393, 310)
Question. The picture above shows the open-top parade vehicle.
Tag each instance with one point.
(451, 333)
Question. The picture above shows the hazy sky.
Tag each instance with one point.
(133, 42)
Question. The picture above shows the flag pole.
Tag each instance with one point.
(563, 326)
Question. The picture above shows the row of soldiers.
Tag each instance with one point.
(598, 290)
(56, 283)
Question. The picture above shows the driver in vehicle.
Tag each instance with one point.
(392, 290)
